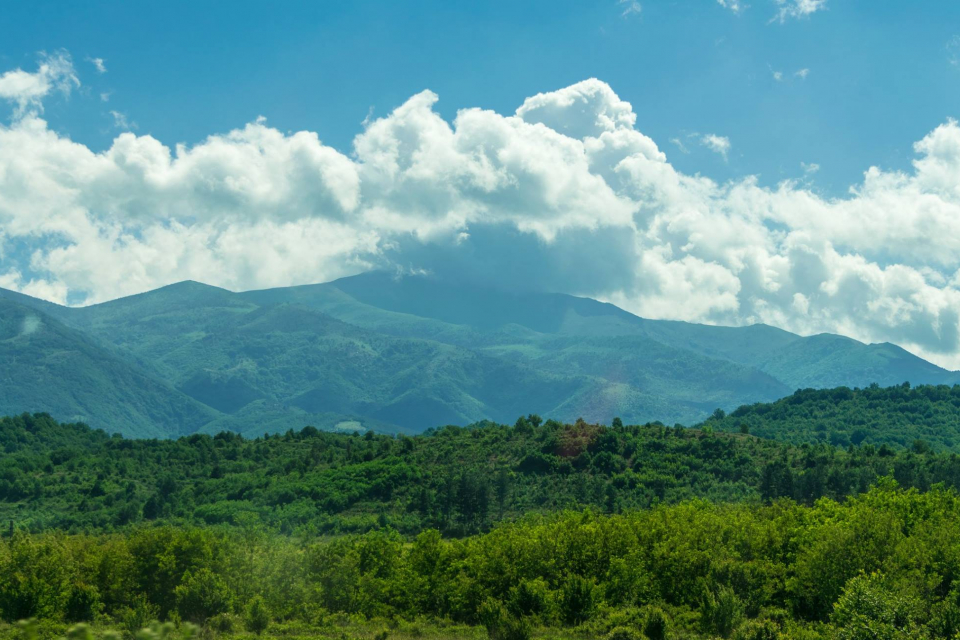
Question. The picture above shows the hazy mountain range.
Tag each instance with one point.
(399, 354)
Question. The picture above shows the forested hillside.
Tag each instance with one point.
(456, 480)
(899, 416)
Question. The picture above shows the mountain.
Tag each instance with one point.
(409, 353)
(49, 366)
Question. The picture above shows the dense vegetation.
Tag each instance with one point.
(456, 480)
(885, 565)
(898, 416)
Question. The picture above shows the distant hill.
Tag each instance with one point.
(898, 416)
(49, 366)
(406, 354)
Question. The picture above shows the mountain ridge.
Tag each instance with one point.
(410, 353)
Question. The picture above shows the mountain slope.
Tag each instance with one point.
(51, 368)
(410, 353)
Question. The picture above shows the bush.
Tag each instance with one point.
(223, 623)
(655, 624)
(577, 600)
(84, 604)
(202, 595)
(721, 612)
(142, 613)
(500, 625)
(530, 598)
(624, 633)
(758, 630)
(257, 616)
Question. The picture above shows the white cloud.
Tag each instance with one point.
(809, 168)
(777, 76)
(98, 64)
(953, 51)
(787, 9)
(802, 73)
(565, 194)
(120, 121)
(629, 7)
(26, 90)
(717, 144)
(734, 5)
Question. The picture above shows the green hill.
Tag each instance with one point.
(406, 354)
(898, 416)
(50, 367)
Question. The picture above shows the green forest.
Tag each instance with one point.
(539, 529)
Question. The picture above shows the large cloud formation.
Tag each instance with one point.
(563, 195)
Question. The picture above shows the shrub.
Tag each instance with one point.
(257, 616)
(721, 612)
(577, 600)
(84, 604)
(624, 633)
(500, 625)
(202, 595)
(655, 624)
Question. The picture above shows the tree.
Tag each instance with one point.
(257, 617)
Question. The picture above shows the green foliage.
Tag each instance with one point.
(884, 564)
(500, 624)
(457, 480)
(655, 624)
(917, 418)
(721, 611)
(868, 610)
(257, 615)
(201, 595)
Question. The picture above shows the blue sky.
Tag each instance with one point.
(879, 70)
(791, 162)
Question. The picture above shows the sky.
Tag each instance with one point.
(792, 162)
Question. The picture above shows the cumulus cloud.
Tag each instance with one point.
(717, 144)
(26, 91)
(789, 9)
(565, 194)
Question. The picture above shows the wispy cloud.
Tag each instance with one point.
(630, 7)
(717, 144)
(678, 143)
(802, 73)
(98, 64)
(953, 51)
(734, 5)
(789, 9)
(777, 75)
(809, 168)
(120, 121)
